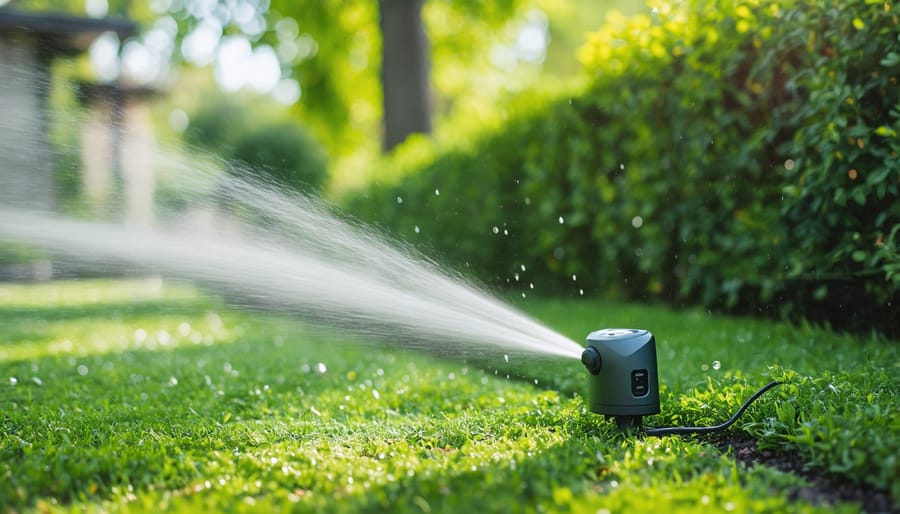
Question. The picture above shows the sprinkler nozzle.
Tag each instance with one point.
(590, 357)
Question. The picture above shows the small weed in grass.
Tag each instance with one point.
(141, 396)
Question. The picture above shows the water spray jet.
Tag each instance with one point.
(623, 381)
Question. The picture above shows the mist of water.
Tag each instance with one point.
(254, 242)
(288, 252)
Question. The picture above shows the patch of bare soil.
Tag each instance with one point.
(824, 488)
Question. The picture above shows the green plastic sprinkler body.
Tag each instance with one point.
(623, 382)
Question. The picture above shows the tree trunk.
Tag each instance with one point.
(404, 71)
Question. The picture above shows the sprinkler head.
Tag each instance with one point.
(623, 381)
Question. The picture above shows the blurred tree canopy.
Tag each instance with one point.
(330, 51)
(333, 49)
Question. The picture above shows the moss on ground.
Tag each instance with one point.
(143, 396)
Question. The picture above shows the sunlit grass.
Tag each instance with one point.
(93, 292)
(166, 399)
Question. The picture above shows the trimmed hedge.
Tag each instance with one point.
(742, 157)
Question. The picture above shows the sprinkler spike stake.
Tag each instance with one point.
(630, 424)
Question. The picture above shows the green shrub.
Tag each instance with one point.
(246, 135)
(217, 123)
(708, 162)
(285, 152)
(842, 209)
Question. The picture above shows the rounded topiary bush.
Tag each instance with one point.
(284, 152)
(258, 141)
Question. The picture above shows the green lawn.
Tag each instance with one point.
(143, 396)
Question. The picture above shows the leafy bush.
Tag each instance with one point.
(285, 152)
(742, 157)
(842, 210)
(281, 150)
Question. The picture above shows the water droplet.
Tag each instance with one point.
(523, 295)
(437, 192)
(484, 380)
(523, 267)
(82, 370)
(416, 229)
(399, 199)
(704, 367)
(184, 329)
(637, 222)
(531, 285)
(320, 368)
(140, 335)
(13, 381)
(574, 278)
(622, 166)
(37, 381)
(527, 201)
(495, 230)
(505, 232)
(379, 372)
(173, 381)
(561, 220)
(375, 394)
(516, 276)
(506, 357)
(581, 292)
(451, 376)
(716, 365)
